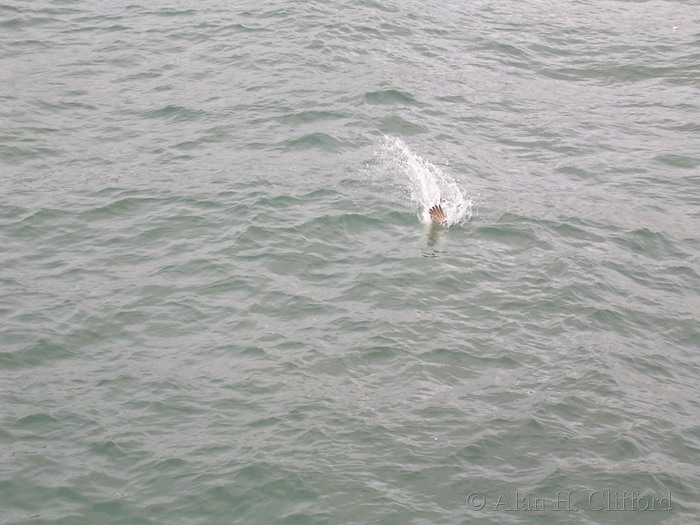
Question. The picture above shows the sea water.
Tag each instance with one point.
(221, 302)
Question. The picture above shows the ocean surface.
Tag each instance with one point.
(222, 302)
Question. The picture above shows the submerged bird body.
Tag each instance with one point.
(438, 216)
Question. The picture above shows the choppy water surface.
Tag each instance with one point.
(221, 301)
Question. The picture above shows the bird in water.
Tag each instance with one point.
(438, 216)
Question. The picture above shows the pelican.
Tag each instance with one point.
(438, 216)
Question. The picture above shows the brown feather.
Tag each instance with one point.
(437, 215)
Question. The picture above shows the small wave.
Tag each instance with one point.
(428, 184)
(318, 140)
(390, 97)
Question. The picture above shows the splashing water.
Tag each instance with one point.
(427, 184)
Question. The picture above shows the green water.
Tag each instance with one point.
(220, 301)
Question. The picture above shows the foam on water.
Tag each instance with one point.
(428, 185)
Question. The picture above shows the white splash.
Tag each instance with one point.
(427, 184)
